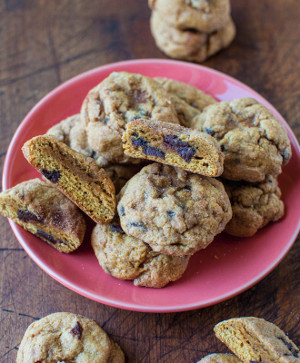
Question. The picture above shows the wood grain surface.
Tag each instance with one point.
(45, 42)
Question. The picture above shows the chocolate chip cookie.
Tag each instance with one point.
(203, 15)
(254, 142)
(175, 212)
(253, 205)
(44, 211)
(67, 337)
(78, 177)
(173, 145)
(128, 258)
(189, 44)
(220, 358)
(119, 99)
(257, 340)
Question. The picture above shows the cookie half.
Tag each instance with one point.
(128, 258)
(44, 211)
(67, 337)
(78, 177)
(173, 145)
(257, 340)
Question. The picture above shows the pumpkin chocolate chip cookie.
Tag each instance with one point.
(175, 212)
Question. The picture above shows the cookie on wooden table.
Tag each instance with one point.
(44, 211)
(220, 358)
(78, 177)
(175, 212)
(173, 145)
(257, 340)
(128, 258)
(67, 337)
(254, 142)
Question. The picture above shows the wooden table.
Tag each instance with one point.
(44, 43)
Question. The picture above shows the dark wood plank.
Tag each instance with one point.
(43, 43)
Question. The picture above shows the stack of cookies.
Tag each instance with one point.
(143, 159)
(191, 29)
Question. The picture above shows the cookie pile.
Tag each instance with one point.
(147, 160)
(191, 29)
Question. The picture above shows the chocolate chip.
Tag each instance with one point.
(171, 213)
(138, 225)
(184, 149)
(122, 211)
(187, 187)
(286, 154)
(47, 237)
(290, 347)
(26, 216)
(94, 154)
(53, 176)
(116, 228)
(154, 151)
(77, 330)
(209, 131)
(105, 121)
(223, 148)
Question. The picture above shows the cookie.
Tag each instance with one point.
(175, 212)
(67, 337)
(44, 211)
(253, 205)
(254, 142)
(78, 177)
(173, 145)
(128, 258)
(120, 173)
(119, 99)
(220, 358)
(257, 340)
(203, 15)
(190, 94)
(189, 44)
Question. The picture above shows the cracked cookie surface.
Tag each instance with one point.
(257, 340)
(253, 205)
(203, 15)
(175, 212)
(44, 211)
(189, 44)
(128, 258)
(254, 142)
(220, 358)
(67, 337)
(117, 100)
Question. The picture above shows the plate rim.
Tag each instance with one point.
(132, 306)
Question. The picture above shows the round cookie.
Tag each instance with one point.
(220, 358)
(254, 142)
(203, 15)
(128, 258)
(119, 99)
(189, 44)
(68, 337)
(253, 205)
(175, 212)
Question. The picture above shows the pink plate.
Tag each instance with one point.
(226, 268)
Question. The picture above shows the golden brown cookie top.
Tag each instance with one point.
(67, 337)
(254, 142)
(174, 211)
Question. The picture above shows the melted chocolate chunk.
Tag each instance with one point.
(147, 150)
(116, 228)
(209, 131)
(290, 347)
(47, 236)
(138, 141)
(122, 210)
(26, 216)
(94, 154)
(77, 330)
(183, 149)
(187, 187)
(53, 176)
(171, 213)
(223, 148)
(138, 225)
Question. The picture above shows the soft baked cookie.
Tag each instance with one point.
(44, 211)
(175, 212)
(78, 177)
(257, 340)
(188, 93)
(220, 358)
(173, 145)
(189, 44)
(67, 337)
(121, 173)
(203, 15)
(117, 100)
(254, 142)
(253, 205)
(128, 258)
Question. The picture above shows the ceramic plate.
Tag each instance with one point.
(226, 268)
